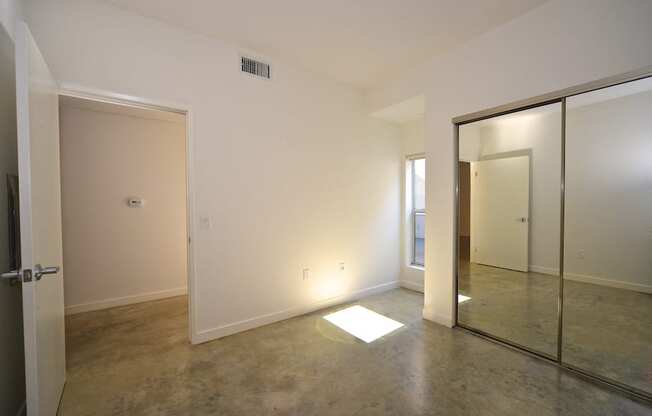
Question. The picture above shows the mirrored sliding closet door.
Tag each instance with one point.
(607, 315)
(509, 227)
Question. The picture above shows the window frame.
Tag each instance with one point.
(413, 212)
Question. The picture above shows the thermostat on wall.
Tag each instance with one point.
(134, 202)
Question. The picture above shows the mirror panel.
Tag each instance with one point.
(509, 227)
(607, 328)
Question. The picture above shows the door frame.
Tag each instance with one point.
(526, 151)
(76, 91)
(503, 156)
(559, 96)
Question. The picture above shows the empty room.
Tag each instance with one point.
(431, 207)
(123, 206)
(123, 198)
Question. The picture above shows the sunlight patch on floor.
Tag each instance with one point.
(462, 298)
(363, 323)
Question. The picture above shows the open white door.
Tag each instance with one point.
(500, 205)
(40, 222)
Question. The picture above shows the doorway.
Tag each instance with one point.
(464, 171)
(33, 274)
(500, 194)
(125, 208)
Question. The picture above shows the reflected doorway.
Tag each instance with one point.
(509, 224)
(464, 169)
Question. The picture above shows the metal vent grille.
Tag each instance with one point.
(254, 67)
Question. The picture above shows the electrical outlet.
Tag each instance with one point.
(341, 266)
(580, 254)
(306, 274)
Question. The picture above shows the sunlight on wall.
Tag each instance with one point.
(329, 286)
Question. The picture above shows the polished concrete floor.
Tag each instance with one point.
(607, 331)
(136, 360)
(520, 307)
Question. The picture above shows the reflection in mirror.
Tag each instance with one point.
(12, 358)
(607, 328)
(509, 227)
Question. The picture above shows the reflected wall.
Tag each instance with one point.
(608, 234)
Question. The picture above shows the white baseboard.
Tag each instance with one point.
(418, 287)
(608, 282)
(600, 281)
(543, 270)
(126, 300)
(22, 410)
(247, 324)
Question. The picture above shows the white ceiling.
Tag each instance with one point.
(403, 112)
(362, 43)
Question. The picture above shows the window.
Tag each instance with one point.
(417, 208)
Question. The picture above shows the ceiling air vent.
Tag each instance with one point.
(254, 67)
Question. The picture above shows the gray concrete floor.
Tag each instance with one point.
(607, 331)
(136, 360)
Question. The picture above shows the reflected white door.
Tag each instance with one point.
(40, 223)
(500, 205)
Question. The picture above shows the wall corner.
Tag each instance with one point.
(430, 315)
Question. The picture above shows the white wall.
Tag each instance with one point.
(560, 44)
(10, 10)
(608, 231)
(115, 254)
(412, 137)
(290, 172)
(412, 143)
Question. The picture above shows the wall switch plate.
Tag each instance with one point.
(306, 274)
(341, 265)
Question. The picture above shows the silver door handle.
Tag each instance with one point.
(14, 274)
(13, 277)
(40, 271)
